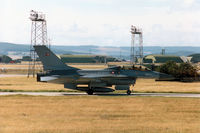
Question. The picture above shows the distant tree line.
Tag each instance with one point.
(182, 72)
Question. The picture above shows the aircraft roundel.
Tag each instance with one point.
(47, 54)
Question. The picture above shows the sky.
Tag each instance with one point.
(104, 22)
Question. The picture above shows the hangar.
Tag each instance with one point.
(5, 59)
(163, 59)
(195, 58)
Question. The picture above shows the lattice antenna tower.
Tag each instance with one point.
(136, 56)
(38, 37)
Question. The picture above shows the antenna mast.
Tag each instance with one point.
(38, 37)
(136, 46)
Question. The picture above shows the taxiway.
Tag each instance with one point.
(102, 94)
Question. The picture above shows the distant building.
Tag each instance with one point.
(195, 58)
(26, 58)
(163, 59)
(5, 59)
(87, 59)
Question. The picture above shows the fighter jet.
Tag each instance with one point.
(90, 81)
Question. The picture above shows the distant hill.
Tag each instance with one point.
(7, 48)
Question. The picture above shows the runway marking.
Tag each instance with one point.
(102, 94)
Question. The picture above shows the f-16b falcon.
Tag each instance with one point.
(104, 80)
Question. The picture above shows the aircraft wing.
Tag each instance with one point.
(104, 76)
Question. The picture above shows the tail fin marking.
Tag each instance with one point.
(49, 60)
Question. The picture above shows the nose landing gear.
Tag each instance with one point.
(130, 89)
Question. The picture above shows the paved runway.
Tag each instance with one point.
(102, 94)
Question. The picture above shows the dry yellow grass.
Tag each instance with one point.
(150, 85)
(92, 114)
(90, 66)
(23, 68)
(27, 84)
(142, 85)
(78, 65)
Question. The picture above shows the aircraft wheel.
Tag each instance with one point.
(128, 92)
(90, 92)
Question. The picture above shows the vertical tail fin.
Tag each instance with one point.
(49, 60)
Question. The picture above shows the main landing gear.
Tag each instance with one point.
(90, 92)
(128, 92)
